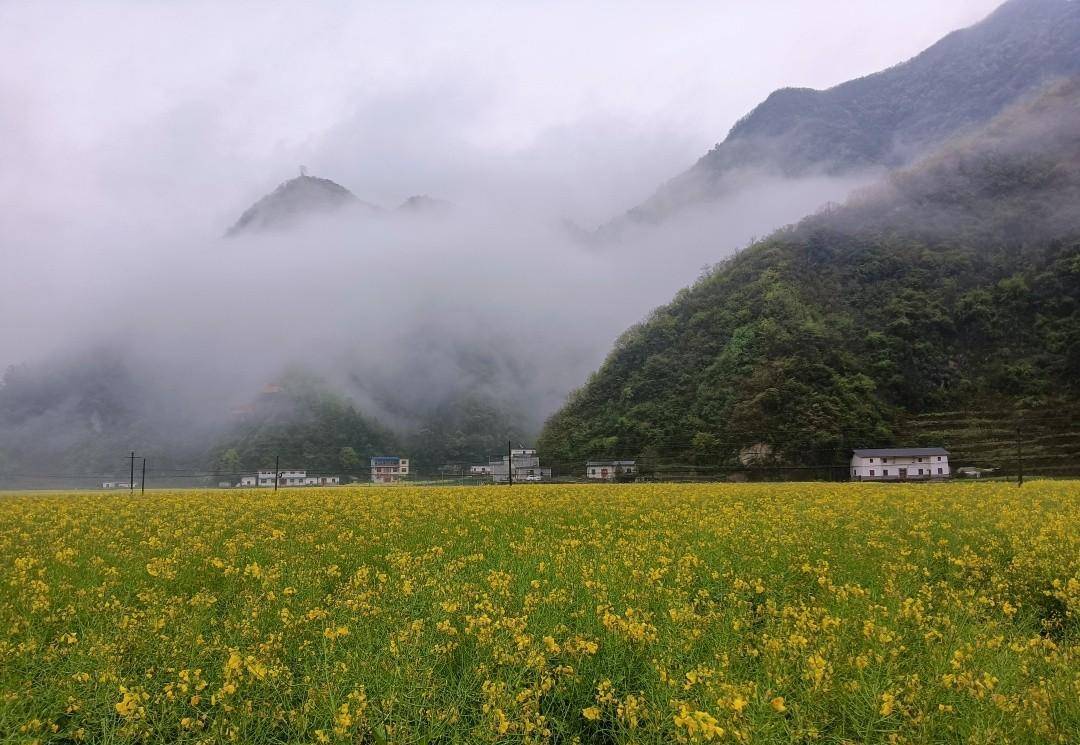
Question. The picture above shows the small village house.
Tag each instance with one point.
(288, 477)
(609, 470)
(900, 464)
(291, 477)
(261, 478)
(389, 469)
(522, 463)
(481, 470)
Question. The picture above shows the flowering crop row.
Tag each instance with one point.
(586, 613)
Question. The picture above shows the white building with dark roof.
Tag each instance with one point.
(608, 470)
(900, 464)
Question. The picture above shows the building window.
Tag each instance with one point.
(939, 470)
(871, 471)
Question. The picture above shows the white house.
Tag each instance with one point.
(288, 477)
(607, 470)
(388, 469)
(900, 464)
(526, 467)
(291, 477)
(262, 478)
(480, 470)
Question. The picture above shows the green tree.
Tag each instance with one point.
(348, 459)
(228, 461)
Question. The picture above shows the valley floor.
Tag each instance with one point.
(579, 613)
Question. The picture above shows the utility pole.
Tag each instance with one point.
(142, 485)
(277, 471)
(131, 479)
(509, 463)
(1019, 458)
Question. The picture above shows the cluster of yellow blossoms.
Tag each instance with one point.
(586, 613)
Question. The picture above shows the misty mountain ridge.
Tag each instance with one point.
(952, 286)
(403, 368)
(307, 197)
(887, 119)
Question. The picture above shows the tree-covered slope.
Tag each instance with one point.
(955, 281)
(893, 116)
(81, 413)
(306, 425)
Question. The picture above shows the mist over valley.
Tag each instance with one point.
(276, 249)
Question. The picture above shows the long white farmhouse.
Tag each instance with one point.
(288, 477)
(900, 464)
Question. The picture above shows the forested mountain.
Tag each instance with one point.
(466, 430)
(310, 425)
(80, 414)
(306, 425)
(73, 420)
(891, 117)
(953, 283)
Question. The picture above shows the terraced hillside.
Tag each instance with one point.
(988, 437)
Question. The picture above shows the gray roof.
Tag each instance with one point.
(899, 452)
(610, 463)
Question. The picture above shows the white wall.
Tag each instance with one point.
(888, 469)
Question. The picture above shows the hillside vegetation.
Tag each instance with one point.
(952, 285)
(305, 424)
(308, 425)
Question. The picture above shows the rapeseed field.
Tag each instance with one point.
(594, 614)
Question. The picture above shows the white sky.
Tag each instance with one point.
(211, 92)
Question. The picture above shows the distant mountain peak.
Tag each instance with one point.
(305, 196)
(293, 201)
(889, 118)
(424, 203)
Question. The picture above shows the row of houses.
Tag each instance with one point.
(869, 464)
(522, 465)
(385, 469)
(525, 466)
